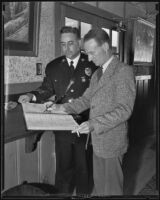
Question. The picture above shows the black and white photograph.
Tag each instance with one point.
(144, 41)
(80, 99)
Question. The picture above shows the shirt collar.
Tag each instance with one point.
(105, 65)
(75, 60)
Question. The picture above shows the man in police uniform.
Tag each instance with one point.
(67, 77)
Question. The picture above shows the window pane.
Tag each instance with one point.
(85, 27)
(115, 40)
(107, 30)
(71, 22)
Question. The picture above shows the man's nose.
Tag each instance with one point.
(67, 47)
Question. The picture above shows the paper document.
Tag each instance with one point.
(36, 119)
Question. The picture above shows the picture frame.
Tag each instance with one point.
(21, 28)
(143, 42)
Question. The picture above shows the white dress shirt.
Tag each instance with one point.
(105, 65)
(75, 61)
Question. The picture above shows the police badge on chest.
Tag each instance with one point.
(83, 79)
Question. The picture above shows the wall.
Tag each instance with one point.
(19, 69)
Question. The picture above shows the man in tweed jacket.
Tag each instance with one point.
(111, 100)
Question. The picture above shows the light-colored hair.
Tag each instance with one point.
(99, 35)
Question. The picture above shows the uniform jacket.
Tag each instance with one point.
(111, 102)
(57, 79)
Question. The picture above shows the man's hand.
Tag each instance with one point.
(25, 98)
(54, 108)
(48, 104)
(84, 128)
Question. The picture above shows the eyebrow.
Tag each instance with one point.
(89, 51)
(67, 42)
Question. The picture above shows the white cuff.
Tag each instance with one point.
(34, 98)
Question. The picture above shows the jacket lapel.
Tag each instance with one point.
(107, 74)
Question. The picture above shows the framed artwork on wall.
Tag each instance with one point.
(21, 28)
(143, 41)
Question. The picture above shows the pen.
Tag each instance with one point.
(48, 107)
(78, 133)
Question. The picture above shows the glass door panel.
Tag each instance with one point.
(115, 40)
(71, 22)
(107, 30)
(82, 26)
(85, 27)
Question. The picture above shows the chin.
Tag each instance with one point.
(95, 63)
(69, 56)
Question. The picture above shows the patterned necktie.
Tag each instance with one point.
(99, 73)
(72, 67)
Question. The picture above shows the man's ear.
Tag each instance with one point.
(80, 42)
(106, 46)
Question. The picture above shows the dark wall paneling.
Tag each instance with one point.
(141, 122)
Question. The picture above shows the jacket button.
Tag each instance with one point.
(72, 90)
(70, 100)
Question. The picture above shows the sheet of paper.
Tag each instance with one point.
(38, 108)
(36, 119)
(33, 107)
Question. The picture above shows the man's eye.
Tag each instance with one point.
(71, 43)
(63, 45)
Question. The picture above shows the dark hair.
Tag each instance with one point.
(70, 29)
(99, 35)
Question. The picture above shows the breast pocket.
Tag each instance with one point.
(59, 87)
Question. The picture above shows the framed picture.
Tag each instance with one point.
(143, 41)
(21, 28)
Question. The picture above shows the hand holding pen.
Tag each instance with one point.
(48, 106)
(52, 107)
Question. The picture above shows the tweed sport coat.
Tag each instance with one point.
(111, 102)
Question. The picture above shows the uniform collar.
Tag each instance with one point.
(75, 61)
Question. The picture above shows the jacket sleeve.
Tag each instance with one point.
(46, 90)
(125, 91)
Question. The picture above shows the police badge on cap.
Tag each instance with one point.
(88, 71)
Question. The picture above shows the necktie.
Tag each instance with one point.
(99, 73)
(72, 67)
